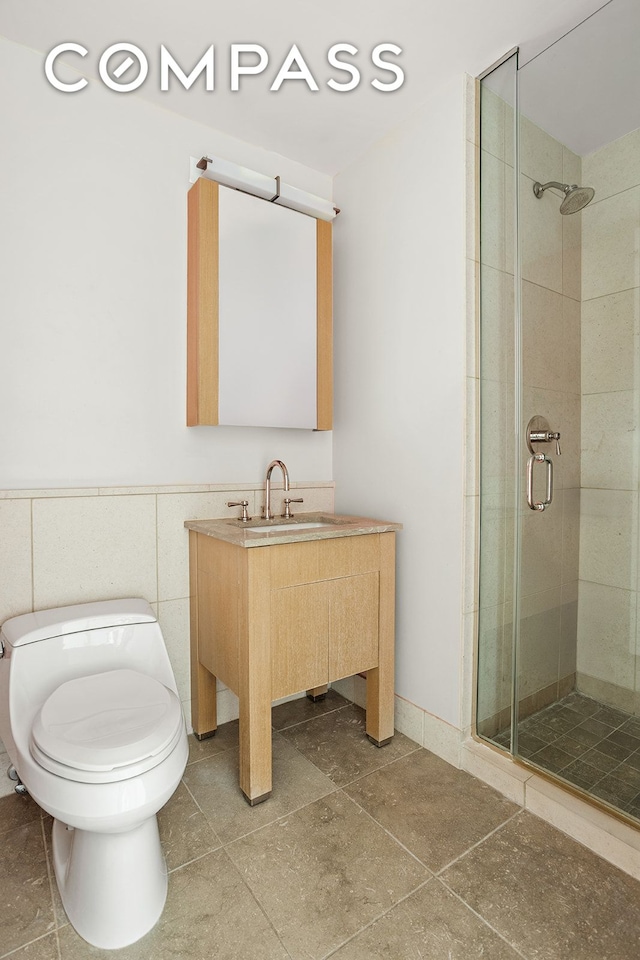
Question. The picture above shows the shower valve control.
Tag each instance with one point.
(537, 435)
(539, 431)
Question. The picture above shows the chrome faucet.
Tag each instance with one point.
(267, 514)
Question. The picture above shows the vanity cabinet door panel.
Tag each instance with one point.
(353, 625)
(299, 637)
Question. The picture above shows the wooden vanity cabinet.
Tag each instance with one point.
(270, 621)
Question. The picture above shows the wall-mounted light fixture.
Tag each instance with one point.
(267, 188)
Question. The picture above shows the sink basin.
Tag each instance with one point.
(282, 527)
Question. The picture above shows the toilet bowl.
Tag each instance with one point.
(91, 719)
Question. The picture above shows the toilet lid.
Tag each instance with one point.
(107, 721)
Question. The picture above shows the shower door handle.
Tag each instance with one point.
(531, 462)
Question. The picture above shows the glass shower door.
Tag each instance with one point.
(559, 380)
(576, 651)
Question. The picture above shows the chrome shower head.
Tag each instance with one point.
(575, 197)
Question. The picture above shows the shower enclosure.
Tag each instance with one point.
(558, 642)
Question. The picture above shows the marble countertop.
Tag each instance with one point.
(264, 533)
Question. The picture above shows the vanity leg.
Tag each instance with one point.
(318, 693)
(203, 683)
(380, 680)
(203, 703)
(254, 680)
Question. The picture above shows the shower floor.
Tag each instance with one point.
(587, 743)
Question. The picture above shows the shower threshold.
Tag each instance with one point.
(587, 743)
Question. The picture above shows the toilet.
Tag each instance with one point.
(91, 719)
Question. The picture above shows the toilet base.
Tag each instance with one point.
(113, 885)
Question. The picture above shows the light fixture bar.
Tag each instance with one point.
(267, 188)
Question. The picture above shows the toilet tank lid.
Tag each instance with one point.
(45, 624)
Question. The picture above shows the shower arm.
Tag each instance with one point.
(539, 188)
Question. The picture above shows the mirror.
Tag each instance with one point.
(259, 312)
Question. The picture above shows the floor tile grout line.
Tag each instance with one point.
(478, 843)
(50, 876)
(483, 920)
(282, 816)
(257, 902)
(361, 776)
(226, 843)
(15, 950)
(320, 716)
(370, 923)
(392, 836)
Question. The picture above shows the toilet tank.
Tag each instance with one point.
(48, 647)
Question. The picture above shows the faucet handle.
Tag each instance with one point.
(240, 503)
(287, 502)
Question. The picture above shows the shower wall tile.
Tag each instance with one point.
(543, 348)
(609, 537)
(571, 168)
(496, 552)
(606, 624)
(610, 342)
(569, 465)
(15, 558)
(496, 405)
(540, 153)
(611, 245)
(571, 352)
(541, 551)
(495, 627)
(571, 498)
(497, 344)
(492, 222)
(539, 648)
(492, 112)
(610, 440)
(541, 241)
(614, 168)
(572, 255)
(567, 658)
(93, 548)
(509, 220)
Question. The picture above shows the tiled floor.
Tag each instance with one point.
(588, 744)
(360, 854)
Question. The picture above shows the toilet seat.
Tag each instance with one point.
(106, 727)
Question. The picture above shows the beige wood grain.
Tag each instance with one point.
(380, 680)
(203, 683)
(295, 563)
(254, 663)
(324, 287)
(299, 631)
(218, 592)
(353, 625)
(202, 303)
(348, 556)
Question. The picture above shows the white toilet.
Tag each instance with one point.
(92, 722)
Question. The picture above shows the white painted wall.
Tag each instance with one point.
(93, 293)
(400, 371)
